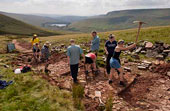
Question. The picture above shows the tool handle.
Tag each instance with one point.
(138, 33)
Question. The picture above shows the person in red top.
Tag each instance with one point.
(90, 59)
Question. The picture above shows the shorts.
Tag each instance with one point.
(114, 63)
(88, 60)
(35, 50)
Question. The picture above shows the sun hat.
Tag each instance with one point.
(47, 43)
(35, 35)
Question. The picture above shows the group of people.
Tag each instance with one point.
(112, 48)
(40, 54)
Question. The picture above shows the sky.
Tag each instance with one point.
(77, 7)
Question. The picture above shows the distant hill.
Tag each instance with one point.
(31, 19)
(42, 20)
(9, 25)
(118, 20)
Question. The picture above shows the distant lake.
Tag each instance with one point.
(58, 25)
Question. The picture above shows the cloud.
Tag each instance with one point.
(77, 7)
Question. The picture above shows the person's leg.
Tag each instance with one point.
(108, 68)
(121, 76)
(111, 75)
(94, 66)
(74, 71)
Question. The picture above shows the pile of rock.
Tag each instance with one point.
(158, 50)
(58, 48)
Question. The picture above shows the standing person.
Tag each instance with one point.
(45, 54)
(95, 43)
(35, 46)
(73, 53)
(110, 46)
(114, 61)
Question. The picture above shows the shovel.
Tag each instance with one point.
(98, 94)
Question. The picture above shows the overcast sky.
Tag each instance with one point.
(77, 7)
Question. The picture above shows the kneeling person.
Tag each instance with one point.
(45, 54)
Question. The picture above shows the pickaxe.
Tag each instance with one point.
(140, 25)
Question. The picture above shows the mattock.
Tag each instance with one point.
(140, 25)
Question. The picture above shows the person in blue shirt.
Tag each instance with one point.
(109, 50)
(74, 52)
(95, 43)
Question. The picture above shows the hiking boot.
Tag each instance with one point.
(122, 84)
(47, 71)
(86, 72)
(110, 81)
(75, 81)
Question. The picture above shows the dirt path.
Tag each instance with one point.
(22, 47)
(150, 92)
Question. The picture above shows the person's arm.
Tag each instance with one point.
(82, 54)
(127, 48)
(105, 48)
(83, 57)
(68, 56)
(96, 41)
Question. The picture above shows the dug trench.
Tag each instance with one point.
(147, 90)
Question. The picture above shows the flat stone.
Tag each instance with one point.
(160, 57)
(166, 46)
(127, 69)
(162, 81)
(156, 62)
(142, 67)
(169, 54)
(168, 74)
(147, 62)
(166, 51)
(138, 50)
(148, 45)
(143, 52)
(151, 53)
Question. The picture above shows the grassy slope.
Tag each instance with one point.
(119, 20)
(31, 19)
(11, 26)
(31, 93)
(151, 34)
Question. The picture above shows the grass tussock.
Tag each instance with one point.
(78, 94)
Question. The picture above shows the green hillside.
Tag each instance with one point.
(31, 19)
(12, 26)
(118, 20)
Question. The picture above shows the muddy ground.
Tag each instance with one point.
(148, 92)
